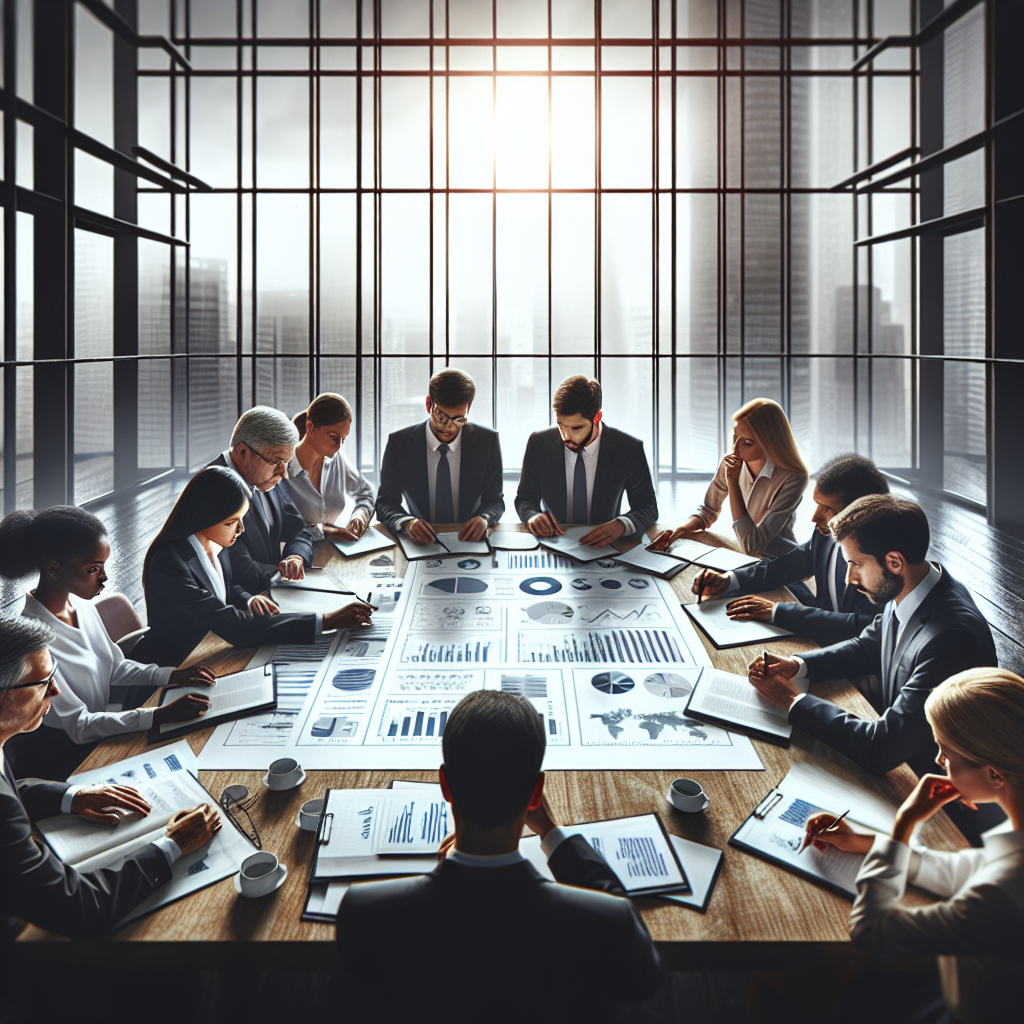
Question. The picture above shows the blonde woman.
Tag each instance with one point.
(764, 479)
(977, 932)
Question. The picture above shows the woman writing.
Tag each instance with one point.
(977, 931)
(763, 478)
(68, 548)
(325, 487)
(188, 584)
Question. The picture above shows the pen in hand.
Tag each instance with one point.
(808, 839)
(700, 585)
(764, 662)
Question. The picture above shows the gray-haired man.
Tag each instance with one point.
(275, 537)
(36, 886)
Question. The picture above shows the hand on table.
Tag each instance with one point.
(355, 529)
(262, 605)
(351, 616)
(776, 686)
(192, 829)
(419, 531)
(750, 608)
(709, 583)
(543, 524)
(197, 675)
(601, 536)
(184, 709)
(665, 540)
(102, 803)
(930, 793)
(841, 836)
(292, 568)
(473, 529)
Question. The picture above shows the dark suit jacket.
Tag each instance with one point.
(36, 886)
(403, 475)
(813, 617)
(256, 555)
(621, 468)
(496, 944)
(947, 635)
(181, 610)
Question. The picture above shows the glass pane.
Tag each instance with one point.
(284, 384)
(469, 18)
(337, 18)
(626, 270)
(94, 382)
(821, 111)
(26, 50)
(572, 19)
(572, 132)
(94, 77)
(964, 183)
(891, 97)
(470, 283)
(282, 18)
(697, 438)
(891, 298)
(522, 265)
(405, 120)
(696, 133)
(282, 141)
(964, 77)
(522, 133)
(94, 183)
(626, 133)
(625, 19)
(821, 409)
(338, 376)
(762, 136)
(212, 408)
(282, 277)
(155, 115)
(762, 279)
(212, 18)
(154, 387)
(891, 382)
(337, 132)
(572, 273)
(403, 392)
(524, 405)
(627, 387)
(213, 270)
(337, 273)
(405, 18)
(405, 273)
(520, 19)
(213, 155)
(470, 133)
(696, 273)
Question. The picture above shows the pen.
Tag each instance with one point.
(553, 521)
(700, 585)
(821, 831)
(437, 540)
(373, 606)
(765, 661)
(656, 544)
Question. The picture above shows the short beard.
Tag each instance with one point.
(890, 587)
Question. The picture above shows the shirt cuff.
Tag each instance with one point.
(732, 586)
(69, 795)
(801, 672)
(169, 848)
(319, 625)
(401, 524)
(144, 722)
(553, 840)
(630, 526)
(796, 700)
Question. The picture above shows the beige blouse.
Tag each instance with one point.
(771, 499)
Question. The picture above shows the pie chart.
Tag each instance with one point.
(550, 613)
(612, 682)
(610, 584)
(540, 586)
(350, 679)
(458, 585)
(668, 684)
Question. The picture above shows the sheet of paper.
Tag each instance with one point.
(700, 864)
(725, 559)
(570, 546)
(712, 617)
(513, 540)
(411, 823)
(305, 602)
(232, 693)
(315, 579)
(161, 763)
(651, 561)
(732, 698)
(690, 550)
(325, 899)
(370, 541)
(452, 547)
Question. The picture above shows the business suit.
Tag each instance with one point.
(499, 943)
(813, 617)
(256, 555)
(621, 469)
(181, 609)
(946, 635)
(403, 476)
(38, 887)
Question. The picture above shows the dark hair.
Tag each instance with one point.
(880, 523)
(324, 411)
(493, 748)
(28, 540)
(20, 638)
(210, 497)
(451, 388)
(578, 394)
(850, 477)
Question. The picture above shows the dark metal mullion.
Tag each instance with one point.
(743, 210)
(674, 309)
(239, 115)
(655, 238)
(494, 214)
(378, 226)
(430, 196)
(598, 197)
(314, 202)
(870, 143)
(551, 222)
(786, 211)
(723, 232)
(10, 381)
(360, 411)
(254, 261)
(71, 42)
(915, 341)
(855, 219)
(447, 185)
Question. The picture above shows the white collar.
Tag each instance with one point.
(37, 610)
(215, 549)
(910, 604)
(498, 860)
(295, 468)
(766, 470)
(1002, 844)
(434, 442)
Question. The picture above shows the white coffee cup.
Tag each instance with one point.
(259, 874)
(284, 773)
(309, 814)
(687, 795)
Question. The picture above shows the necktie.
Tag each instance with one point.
(261, 507)
(840, 578)
(579, 491)
(443, 504)
(890, 627)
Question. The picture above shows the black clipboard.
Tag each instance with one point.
(739, 727)
(156, 736)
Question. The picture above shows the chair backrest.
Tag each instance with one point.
(118, 615)
(129, 640)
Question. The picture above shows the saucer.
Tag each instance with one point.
(696, 810)
(298, 782)
(281, 880)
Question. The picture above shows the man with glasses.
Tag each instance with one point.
(262, 445)
(447, 470)
(36, 885)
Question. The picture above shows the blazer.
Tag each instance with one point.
(813, 617)
(621, 468)
(403, 475)
(38, 887)
(182, 610)
(493, 944)
(256, 555)
(946, 635)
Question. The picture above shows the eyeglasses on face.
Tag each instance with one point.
(283, 463)
(38, 682)
(443, 419)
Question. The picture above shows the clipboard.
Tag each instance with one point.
(731, 724)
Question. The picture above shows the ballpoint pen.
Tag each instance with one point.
(821, 831)
(437, 540)
(700, 585)
(765, 662)
(656, 544)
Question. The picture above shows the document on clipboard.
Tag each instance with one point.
(722, 698)
(776, 828)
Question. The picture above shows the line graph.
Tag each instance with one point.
(596, 615)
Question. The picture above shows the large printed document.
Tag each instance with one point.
(731, 700)
(231, 695)
(604, 653)
(722, 631)
(164, 779)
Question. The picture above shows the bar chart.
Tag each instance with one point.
(633, 646)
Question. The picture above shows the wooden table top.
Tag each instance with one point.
(755, 905)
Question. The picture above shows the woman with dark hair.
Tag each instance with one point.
(68, 548)
(325, 486)
(188, 583)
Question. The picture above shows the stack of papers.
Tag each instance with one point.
(713, 619)
(370, 541)
(233, 696)
(449, 545)
(570, 546)
(730, 700)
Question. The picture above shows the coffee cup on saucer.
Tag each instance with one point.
(284, 773)
(309, 815)
(259, 874)
(687, 795)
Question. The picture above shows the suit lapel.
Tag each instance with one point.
(558, 493)
(468, 472)
(605, 459)
(913, 627)
(418, 476)
(254, 523)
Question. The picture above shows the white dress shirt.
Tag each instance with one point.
(454, 466)
(977, 933)
(209, 565)
(548, 844)
(590, 454)
(88, 664)
(343, 492)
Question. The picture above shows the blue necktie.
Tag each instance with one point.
(443, 504)
(579, 491)
(840, 578)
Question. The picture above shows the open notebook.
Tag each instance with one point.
(731, 701)
(234, 696)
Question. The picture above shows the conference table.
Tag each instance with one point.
(760, 917)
